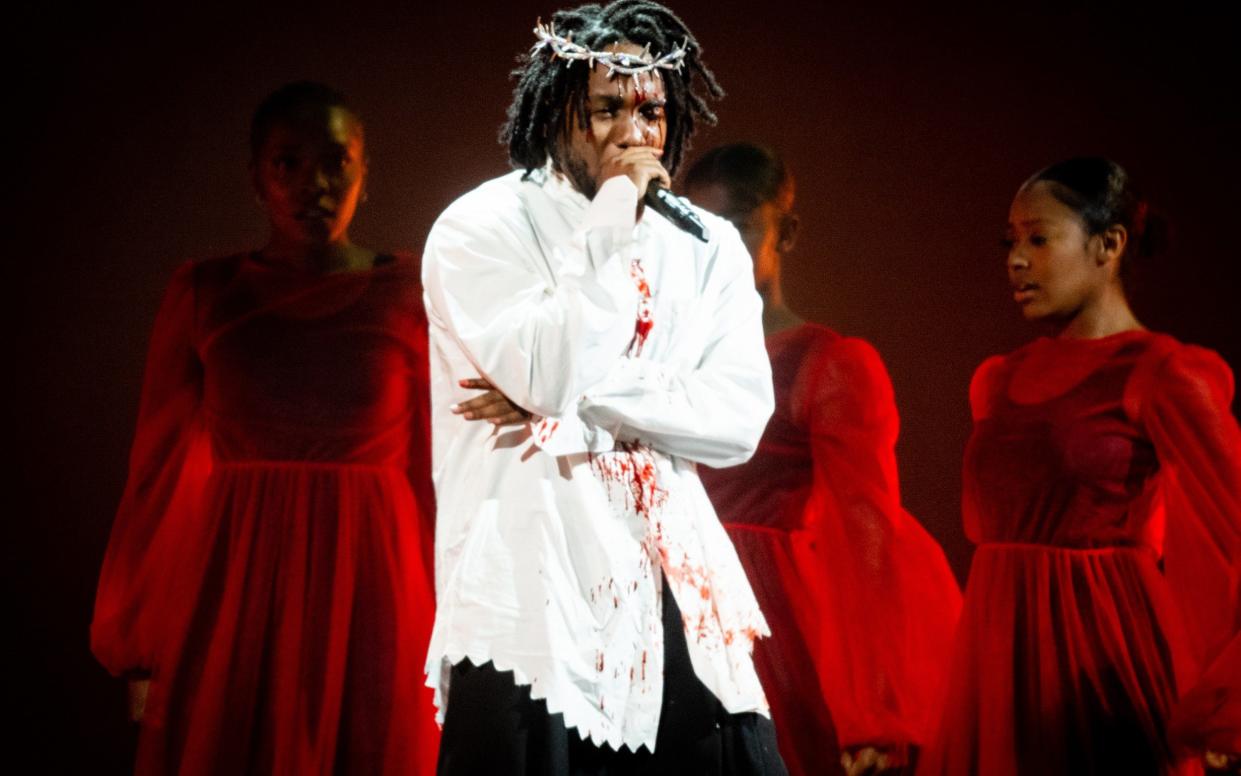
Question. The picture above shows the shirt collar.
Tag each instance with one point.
(560, 189)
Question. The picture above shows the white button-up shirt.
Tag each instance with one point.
(639, 349)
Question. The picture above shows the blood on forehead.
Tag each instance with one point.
(648, 86)
(644, 88)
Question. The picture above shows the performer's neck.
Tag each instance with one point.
(777, 316)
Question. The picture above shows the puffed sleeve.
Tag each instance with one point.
(418, 462)
(889, 602)
(984, 388)
(1186, 413)
(138, 595)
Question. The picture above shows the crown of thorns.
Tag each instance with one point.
(616, 62)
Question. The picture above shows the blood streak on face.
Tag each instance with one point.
(648, 99)
(640, 92)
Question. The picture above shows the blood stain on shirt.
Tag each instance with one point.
(646, 312)
(546, 428)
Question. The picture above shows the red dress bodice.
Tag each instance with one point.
(303, 367)
(1057, 457)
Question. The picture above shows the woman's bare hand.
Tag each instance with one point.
(1222, 762)
(492, 406)
(875, 760)
(138, 698)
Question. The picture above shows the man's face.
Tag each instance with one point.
(622, 112)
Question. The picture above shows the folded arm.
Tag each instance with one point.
(540, 337)
(713, 412)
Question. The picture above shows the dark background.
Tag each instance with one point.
(908, 129)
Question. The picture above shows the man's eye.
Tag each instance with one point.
(1007, 243)
(1038, 240)
(653, 112)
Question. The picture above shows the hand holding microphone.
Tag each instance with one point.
(641, 165)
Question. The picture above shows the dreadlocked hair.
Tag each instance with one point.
(551, 91)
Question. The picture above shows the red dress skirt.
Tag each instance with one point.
(269, 565)
(1103, 488)
(860, 599)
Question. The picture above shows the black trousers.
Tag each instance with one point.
(493, 728)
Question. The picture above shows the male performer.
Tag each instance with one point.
(593, 616)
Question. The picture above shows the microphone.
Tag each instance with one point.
(675, 209)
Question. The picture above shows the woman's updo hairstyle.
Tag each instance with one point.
(1099, 191)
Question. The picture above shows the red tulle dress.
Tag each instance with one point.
(269, 564)
(860, 599)
(1099, 632)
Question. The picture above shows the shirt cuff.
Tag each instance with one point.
(614, 205)
(569, 435)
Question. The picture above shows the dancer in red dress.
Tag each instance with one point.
(1103, 488)
(267, 574)
(861, 602)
